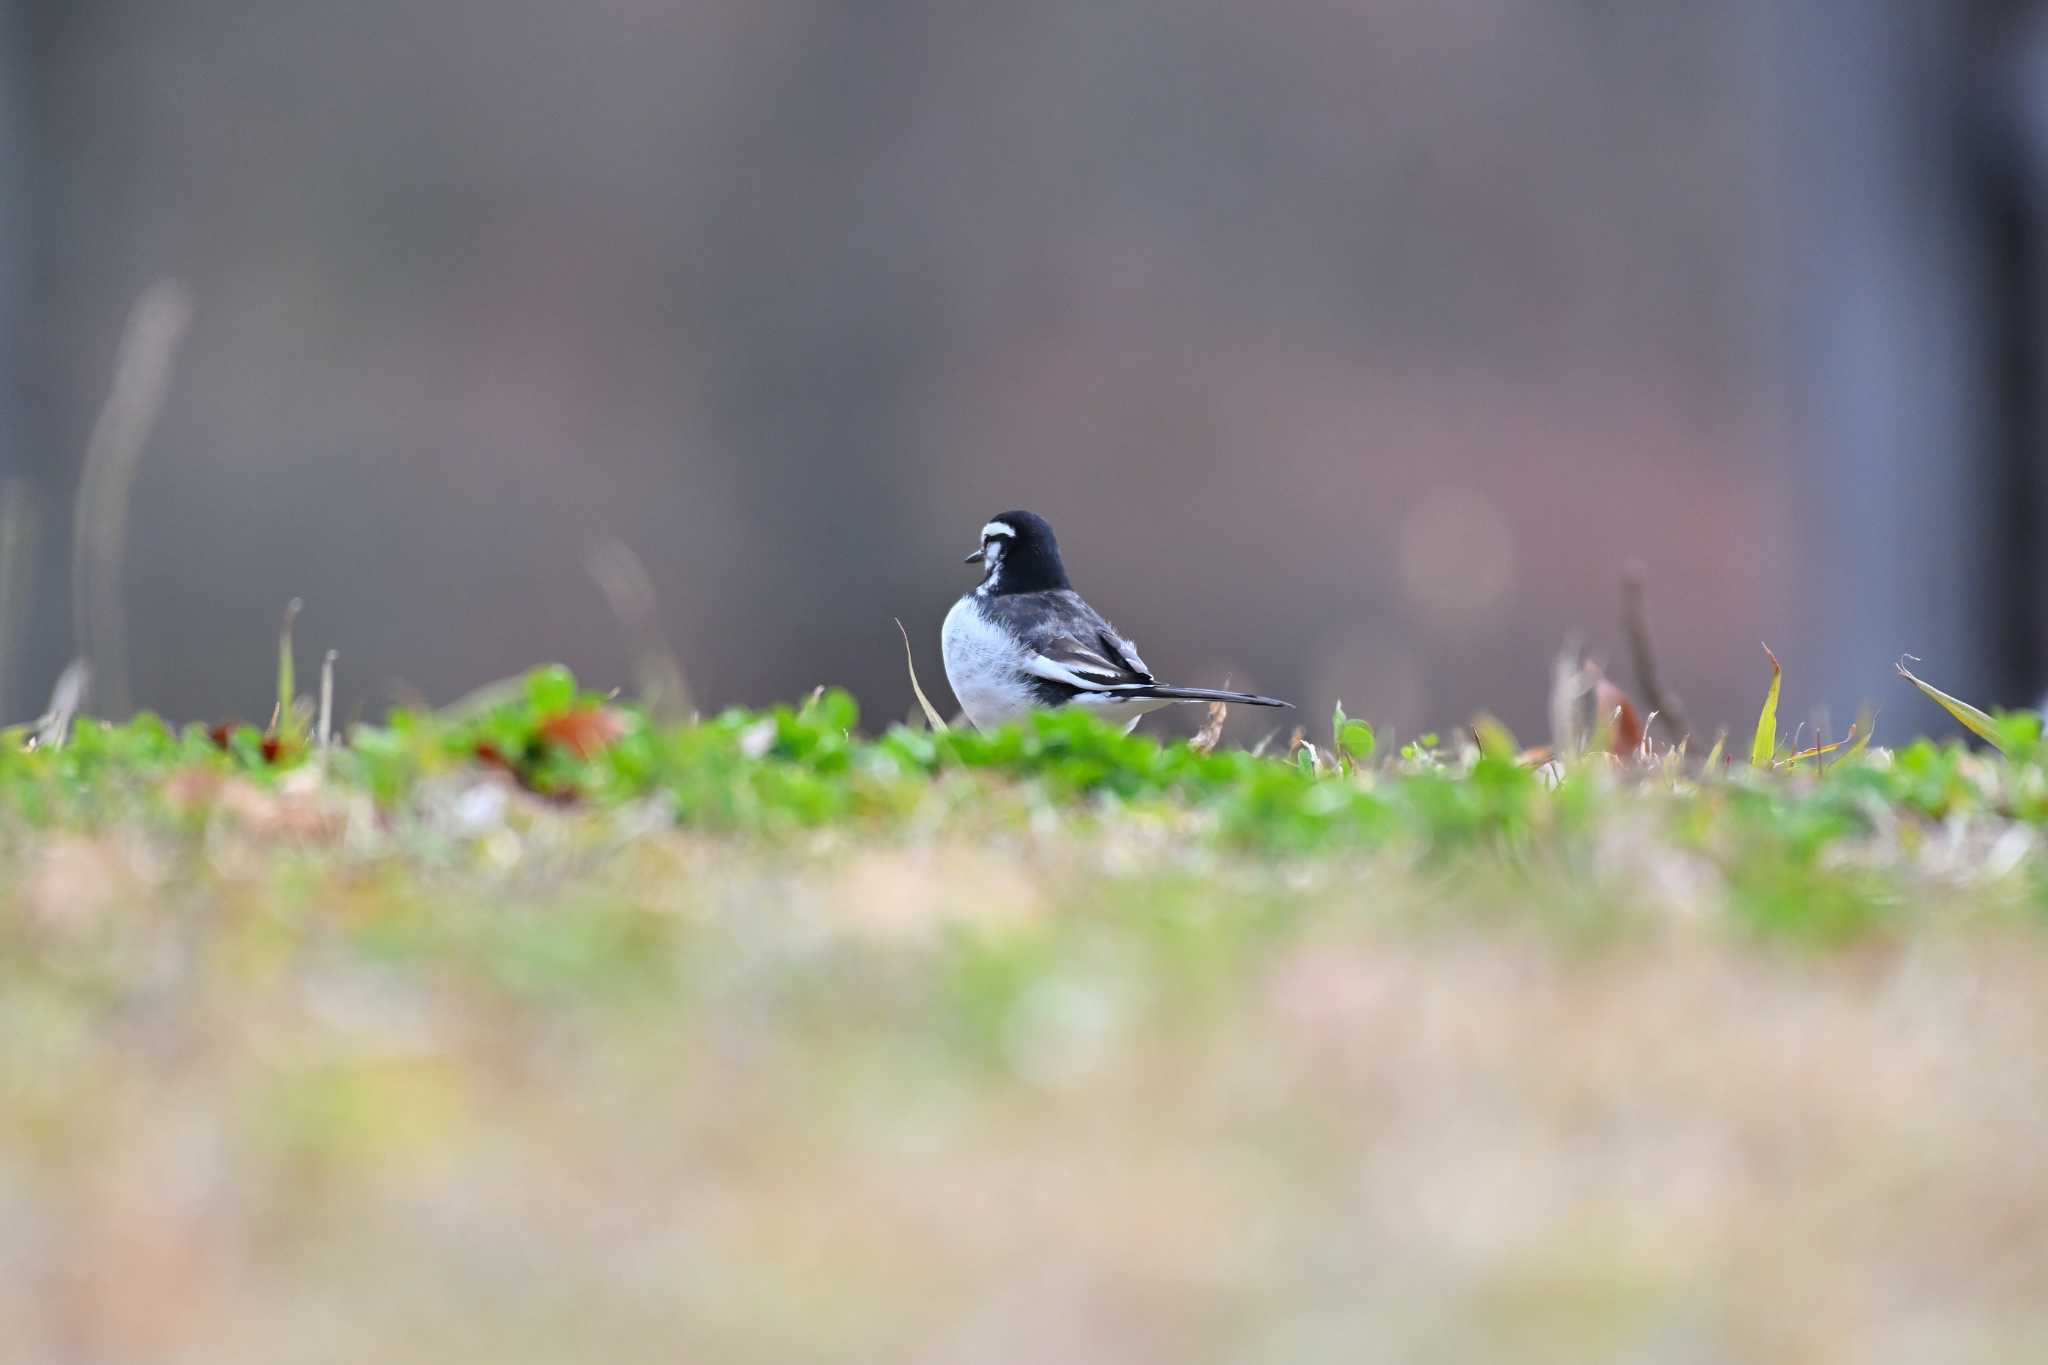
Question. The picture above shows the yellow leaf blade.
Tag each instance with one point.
(1978, 723)
(1819, 750)
(1866, 724)
(1766, 742)
(931, 713)
(1495, 740)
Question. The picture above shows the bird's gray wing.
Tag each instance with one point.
(1064, 640)
(1102, 635)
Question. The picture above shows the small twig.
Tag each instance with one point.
(1635, 624)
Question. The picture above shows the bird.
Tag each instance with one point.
(1024, 640)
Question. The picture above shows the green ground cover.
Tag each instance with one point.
(543, 1030)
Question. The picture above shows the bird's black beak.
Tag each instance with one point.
(974, 558)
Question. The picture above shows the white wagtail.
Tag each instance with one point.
(1025, 639)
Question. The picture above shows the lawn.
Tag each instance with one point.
(542, 1030)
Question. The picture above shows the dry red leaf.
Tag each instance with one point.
(583, 730)
(272, 746)
(1611, 705)
(491, 756)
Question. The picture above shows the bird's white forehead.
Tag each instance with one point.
(998, 528)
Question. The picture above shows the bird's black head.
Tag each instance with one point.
(1018, 554)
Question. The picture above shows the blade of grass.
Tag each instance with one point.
(1494, 739)
(1978, 723)
(931, 713)
(287, 685)
(1820, 750)
(66, 697)
(629, 590)
(1866, 724)
(1569, 681)
(1765, 744)
(327, 700)
(18, 524)
(478, 699)
(142, 376)
(1635, 624)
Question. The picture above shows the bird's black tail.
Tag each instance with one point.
(1204, 694)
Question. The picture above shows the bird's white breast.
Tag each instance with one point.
(984, 666)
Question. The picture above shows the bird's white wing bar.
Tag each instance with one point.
(1089, 672)
(1103, 664)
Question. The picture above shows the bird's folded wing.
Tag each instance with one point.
(1121, 648)
(1103, 666)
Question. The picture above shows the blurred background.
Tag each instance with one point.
(1355, 349)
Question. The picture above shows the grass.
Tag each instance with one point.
(542, 1030)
